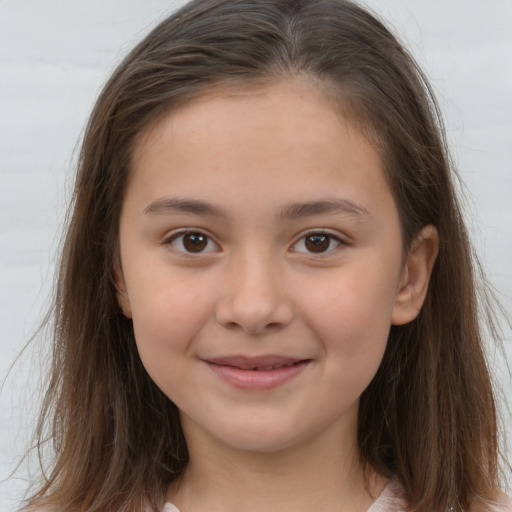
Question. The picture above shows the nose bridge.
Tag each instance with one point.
(254, 299)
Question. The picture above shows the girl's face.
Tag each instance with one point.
(261, 263)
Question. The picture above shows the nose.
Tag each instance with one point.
(254, 297)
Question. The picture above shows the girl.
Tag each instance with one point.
(266, 298)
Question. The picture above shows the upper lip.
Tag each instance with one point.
(266, 362)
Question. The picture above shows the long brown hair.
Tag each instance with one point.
(427, 419)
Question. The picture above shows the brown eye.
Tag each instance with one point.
(317, 243)
(193, 242)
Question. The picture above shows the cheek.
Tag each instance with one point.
(351, 315)
(167, 314)
(165, 326)
(360, 298)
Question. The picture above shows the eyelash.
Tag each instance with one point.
(169, 241)
(321, 235)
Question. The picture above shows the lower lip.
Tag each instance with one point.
(257, 379)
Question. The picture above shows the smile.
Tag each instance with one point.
(258, 373)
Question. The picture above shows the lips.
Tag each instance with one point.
(262, 363)
(263, 372)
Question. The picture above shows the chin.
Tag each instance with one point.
(262, 437)
(261, 443)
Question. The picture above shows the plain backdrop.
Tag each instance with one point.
(56, 54)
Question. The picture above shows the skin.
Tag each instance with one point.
(256, 288)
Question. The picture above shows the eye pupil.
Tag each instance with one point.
(195, 242)
(317, 243)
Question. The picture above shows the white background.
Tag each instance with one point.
(56, 54)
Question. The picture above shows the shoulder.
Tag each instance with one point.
(39, 508)
(169, 507)
(390, 500)
(503, 503)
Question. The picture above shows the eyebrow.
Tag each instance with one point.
(172, 205)
(168, 205)
(335, 205)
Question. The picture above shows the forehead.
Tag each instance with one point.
(283, 90)
(276, 140)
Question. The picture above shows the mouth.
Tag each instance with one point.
(264, 372)
(262, 363)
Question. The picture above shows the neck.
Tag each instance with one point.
(320, 474)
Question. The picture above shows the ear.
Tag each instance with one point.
(121, 293)
(416, 276)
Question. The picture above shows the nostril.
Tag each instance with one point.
(254, 314)
(254, 329)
